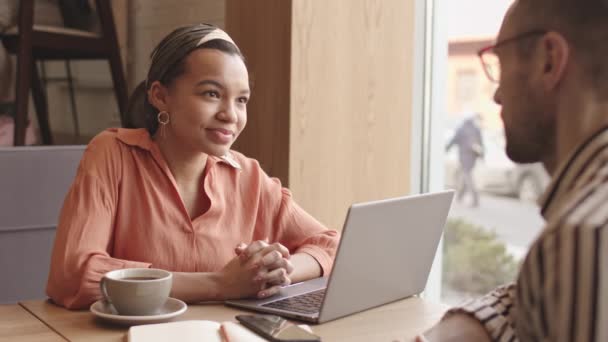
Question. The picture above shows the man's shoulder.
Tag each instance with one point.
(585, 207)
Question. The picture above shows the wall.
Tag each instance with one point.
(349, 92)
(140, 25)
(351, 102)
(262, 30)
(150, 21)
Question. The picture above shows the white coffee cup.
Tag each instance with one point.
(137, 291)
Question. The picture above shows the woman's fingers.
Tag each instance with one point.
(279, 248)
(238, 250)
(275, 247)
(274, 261)
(260, 253)
(269, 291)
(271, 258)
(253, 249)
(278, 277)
(421, 338)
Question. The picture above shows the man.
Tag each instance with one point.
(553, 89)
(470, 147)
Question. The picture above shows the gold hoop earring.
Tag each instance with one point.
(163, 119)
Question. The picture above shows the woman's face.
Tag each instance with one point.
(207, 103)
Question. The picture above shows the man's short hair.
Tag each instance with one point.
(584, 23)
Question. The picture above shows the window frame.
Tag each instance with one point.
(429, 106)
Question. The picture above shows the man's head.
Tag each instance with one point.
(550, 51)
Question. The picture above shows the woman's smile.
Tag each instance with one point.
(220, 135)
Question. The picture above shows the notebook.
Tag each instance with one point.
(194, 331)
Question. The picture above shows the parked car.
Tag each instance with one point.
(497, 174)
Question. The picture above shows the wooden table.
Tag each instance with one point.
(399, 321)
(16, 324)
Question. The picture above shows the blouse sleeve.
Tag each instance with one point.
(83, 241)
(293, 227)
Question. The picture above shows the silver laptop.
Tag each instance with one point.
(385, 254)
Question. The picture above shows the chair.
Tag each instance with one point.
(34, 182)
(36, 42)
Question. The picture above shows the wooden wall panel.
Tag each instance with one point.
(331, 106)
(351, 86)
(262, 30)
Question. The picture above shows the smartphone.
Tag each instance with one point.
(276, 329)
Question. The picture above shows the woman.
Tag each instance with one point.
(174, 196)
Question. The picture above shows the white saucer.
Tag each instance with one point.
(172, 308)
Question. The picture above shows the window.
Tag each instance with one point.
(485, 238)
(466, 88)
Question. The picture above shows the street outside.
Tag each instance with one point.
(516, 223)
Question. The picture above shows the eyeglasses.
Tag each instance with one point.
(489, 60)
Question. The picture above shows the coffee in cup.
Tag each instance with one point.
(137, 291)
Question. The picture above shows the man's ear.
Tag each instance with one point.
(157, 96)
(555, 55)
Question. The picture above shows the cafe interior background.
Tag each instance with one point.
(353, 100)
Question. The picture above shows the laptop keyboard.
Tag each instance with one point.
(308, 303)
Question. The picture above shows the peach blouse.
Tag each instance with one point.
(123, 210)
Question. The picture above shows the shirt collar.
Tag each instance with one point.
(229, 159)
(569, 171)
(138, 137)
(141, 138)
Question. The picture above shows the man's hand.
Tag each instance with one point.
(456, 327)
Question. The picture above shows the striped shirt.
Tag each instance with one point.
(561, 293)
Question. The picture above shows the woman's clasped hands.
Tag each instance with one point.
(259, 270)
